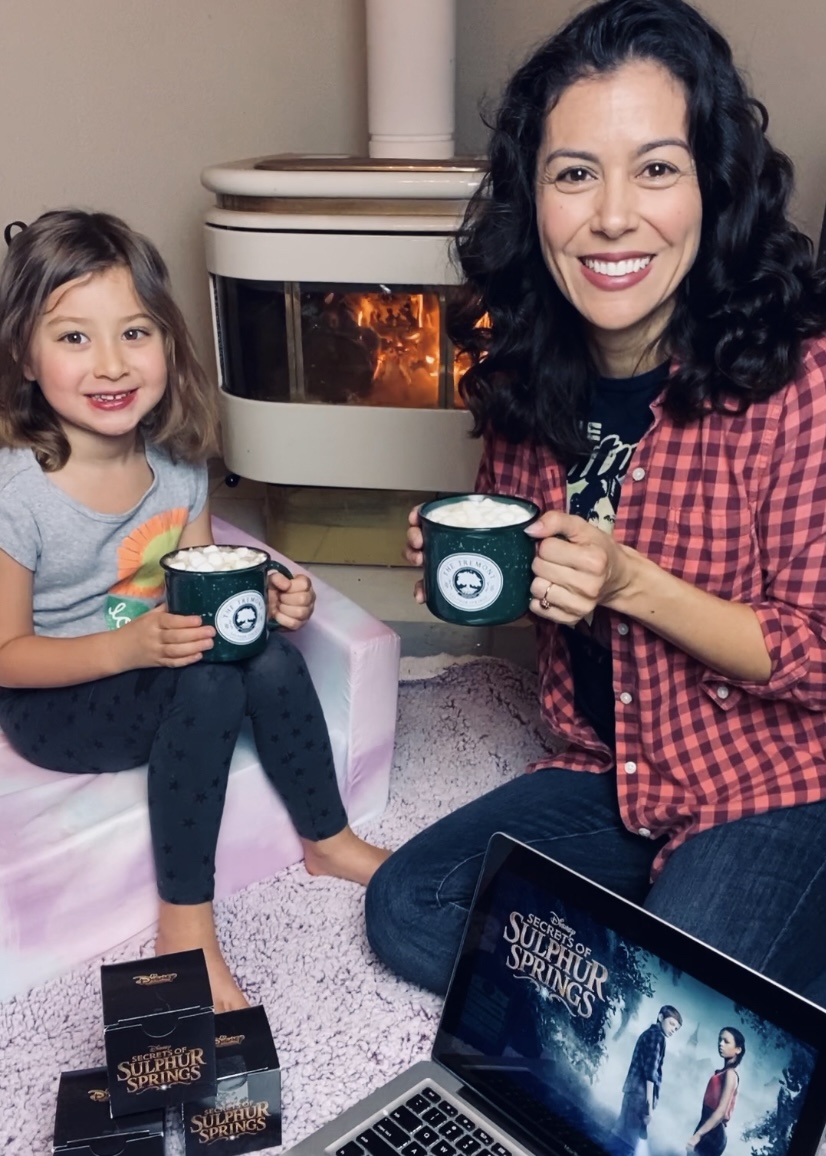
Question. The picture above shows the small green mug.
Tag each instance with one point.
(233, 601)
(477, 576)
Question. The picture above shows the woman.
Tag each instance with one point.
(642, 317)
(709, 1137)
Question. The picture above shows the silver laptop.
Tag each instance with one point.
(564, 1000)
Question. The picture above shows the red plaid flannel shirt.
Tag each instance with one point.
(735, 505)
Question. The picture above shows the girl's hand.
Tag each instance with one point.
(290, 601)
(413, 549)
(693, 1142)
(577, 567)
(159, 638)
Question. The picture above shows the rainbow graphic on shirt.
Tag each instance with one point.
(140, 581)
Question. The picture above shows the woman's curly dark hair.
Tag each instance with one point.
(741, 314)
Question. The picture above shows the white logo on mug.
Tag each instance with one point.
(241, 618)
(469, 581)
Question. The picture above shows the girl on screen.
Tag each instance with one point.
(709, 1137)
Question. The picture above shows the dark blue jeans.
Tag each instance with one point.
(754, 888)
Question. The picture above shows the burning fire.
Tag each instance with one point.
(406, 326)
(379, 348)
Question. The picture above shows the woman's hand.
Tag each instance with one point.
(577, 567)
(158, 638)
(290, 601)
(693, 1142)
(413, 549)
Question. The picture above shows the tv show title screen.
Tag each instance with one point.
(588, 1030)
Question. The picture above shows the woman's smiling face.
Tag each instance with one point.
(618, 206)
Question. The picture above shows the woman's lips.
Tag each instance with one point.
(621, 272)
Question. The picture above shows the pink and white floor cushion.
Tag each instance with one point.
(76, 874)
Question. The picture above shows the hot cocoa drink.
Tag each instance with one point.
(477, 558)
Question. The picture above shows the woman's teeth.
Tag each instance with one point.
(617, 268)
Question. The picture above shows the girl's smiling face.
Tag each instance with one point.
(98, 358)
(618, 207)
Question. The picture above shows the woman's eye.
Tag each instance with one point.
(574, 176)
(135, 334)
(660, 171)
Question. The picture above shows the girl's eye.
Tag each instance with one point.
(135, 334)
(73, 338)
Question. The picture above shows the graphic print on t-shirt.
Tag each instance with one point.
(140, 577)
(594, 486)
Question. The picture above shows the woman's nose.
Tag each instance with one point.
(615, 211)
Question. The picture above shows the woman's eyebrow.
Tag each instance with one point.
(592, 158)
(666, 142)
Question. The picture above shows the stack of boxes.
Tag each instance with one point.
(165, 1048)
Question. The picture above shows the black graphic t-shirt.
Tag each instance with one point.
(620, 415)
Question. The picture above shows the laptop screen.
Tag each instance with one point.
(589, 1025)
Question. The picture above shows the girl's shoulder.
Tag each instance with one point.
(18, 466)
(162, 456)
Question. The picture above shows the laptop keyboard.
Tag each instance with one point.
(426, 1124)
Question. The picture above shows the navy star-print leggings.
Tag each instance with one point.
(184, 722)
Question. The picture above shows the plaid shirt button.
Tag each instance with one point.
(646, 834)
(630, 767)
(623, 628)
(638, 474)
(626, 697)
(723, 692)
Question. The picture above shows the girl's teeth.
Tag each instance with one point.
(109, 396)
(618, 268)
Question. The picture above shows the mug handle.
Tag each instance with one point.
(282, 569)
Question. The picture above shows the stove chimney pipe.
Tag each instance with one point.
(411, 57)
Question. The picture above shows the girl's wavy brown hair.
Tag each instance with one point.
(62, 246)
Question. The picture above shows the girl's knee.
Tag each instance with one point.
(280, 664)
(212, 686)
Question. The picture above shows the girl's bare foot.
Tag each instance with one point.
(184, 927)
(344, 856)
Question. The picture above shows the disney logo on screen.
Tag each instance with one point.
(547, 951)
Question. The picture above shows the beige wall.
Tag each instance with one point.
(119, 104)
(779, 44)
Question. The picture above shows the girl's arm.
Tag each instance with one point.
(156, 638)
(197, 532)
(729, 1085)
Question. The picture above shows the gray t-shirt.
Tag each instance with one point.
(93, 571)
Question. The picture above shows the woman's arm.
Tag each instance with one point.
(586, 568)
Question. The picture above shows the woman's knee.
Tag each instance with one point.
(408, 928)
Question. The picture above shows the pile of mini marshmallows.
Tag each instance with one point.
(204, 559)
(479, 514)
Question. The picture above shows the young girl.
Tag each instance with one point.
(106, 420)
(709, 1137)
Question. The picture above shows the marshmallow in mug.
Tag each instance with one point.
(480, 514)
(209, 559)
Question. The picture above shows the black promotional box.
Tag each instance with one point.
(158, 1031)
(83, 1125)
(244, 1114)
